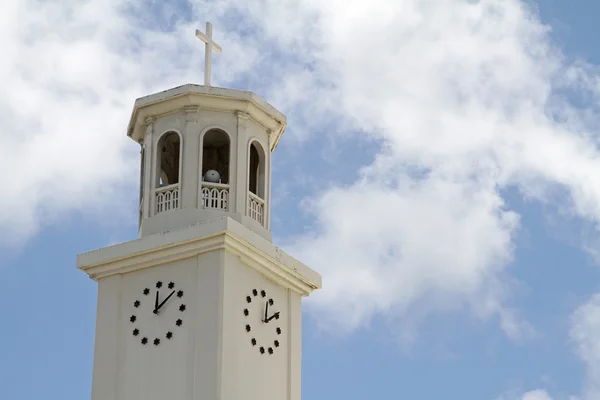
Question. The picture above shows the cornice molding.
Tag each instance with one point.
(271, 267)
(210, 99)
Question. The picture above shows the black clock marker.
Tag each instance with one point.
(180, 293)
(146, 291)
(276, 343)
(136, 332)
(158, 284)
(156, 341)
(171, 285)
(169, 335)
(255, 292)
(263, 293)
(144, 340)
(136, 304)
(270, 350)
(179, 322)
(133, 318)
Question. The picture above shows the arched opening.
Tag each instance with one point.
(168, 162)
(256, 170)
(256, 183)
(215, 170)
(215, 157)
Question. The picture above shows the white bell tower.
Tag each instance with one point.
(202, 306)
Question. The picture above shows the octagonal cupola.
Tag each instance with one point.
(206, 153)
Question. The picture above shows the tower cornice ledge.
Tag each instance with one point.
(208, 98)
(221, 233)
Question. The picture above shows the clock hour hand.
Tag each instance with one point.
(156, 303)
(276, 316)
(165, 300)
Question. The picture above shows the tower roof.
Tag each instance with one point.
(210, 98)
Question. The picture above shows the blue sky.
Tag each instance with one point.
(440, 170)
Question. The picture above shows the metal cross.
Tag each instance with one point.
(209, 47)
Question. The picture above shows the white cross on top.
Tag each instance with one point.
(209, 47)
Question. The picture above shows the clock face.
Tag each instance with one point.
(162, 303)
(262, 321)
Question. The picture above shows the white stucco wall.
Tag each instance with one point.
(216, 264)
(210, 356)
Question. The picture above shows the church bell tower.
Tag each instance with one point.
(201, 306)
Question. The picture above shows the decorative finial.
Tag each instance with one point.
(210, 45)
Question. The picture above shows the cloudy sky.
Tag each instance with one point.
(441, 170)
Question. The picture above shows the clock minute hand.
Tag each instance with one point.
(156, 303)
(266, 312)
(165, 300)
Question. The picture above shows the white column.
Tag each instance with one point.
(267, 210)
(189, 181)
(148, 163)
(241, 187)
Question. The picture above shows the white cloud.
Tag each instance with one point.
(71, 73)
(465, 96)
(536, 395)
(377, 238)
(61, 135)
(584, 329)
(585, 326)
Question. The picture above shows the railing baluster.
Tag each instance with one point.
(167, 198)
(215, 196)
(256, 208)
